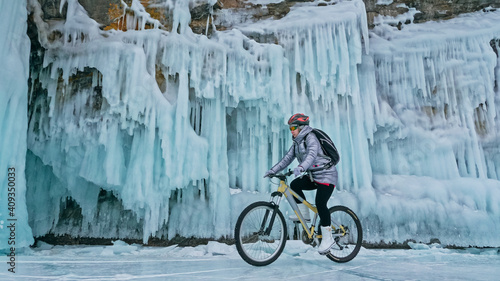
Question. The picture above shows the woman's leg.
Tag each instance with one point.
(302, 183)
(322, 195)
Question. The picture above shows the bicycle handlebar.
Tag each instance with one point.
(282, 176)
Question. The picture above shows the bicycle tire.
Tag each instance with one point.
(348, 245)
(253, 245)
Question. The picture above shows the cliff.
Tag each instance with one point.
(154, 120)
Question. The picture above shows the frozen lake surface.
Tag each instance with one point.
(217, 261)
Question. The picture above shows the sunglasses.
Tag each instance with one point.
(293, 128)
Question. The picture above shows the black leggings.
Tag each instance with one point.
(323, 193)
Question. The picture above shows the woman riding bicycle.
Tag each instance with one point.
(322, 176)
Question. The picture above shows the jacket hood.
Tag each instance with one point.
(303, 133)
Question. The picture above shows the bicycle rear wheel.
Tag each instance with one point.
(347, 233)
(260, 233)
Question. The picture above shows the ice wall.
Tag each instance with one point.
(440, 84)
(323, 53)
(165, 119)
(180, 128)
(15, 232)
(438, 147)
(111, 129)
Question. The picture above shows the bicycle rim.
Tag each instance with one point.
(347, 232)
(254, 245)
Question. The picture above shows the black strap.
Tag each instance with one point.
(327, 165)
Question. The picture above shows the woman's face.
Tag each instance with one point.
(294, 129)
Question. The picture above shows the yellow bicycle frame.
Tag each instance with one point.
(289, 195)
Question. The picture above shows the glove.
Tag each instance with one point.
(298, 170)
(270, 172)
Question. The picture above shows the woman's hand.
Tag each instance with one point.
(270, 172)
(298, 170)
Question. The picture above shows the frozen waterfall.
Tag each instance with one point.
(150, 133)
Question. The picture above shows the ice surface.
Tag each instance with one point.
(217, 261)
(180, 128)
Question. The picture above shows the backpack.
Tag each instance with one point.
(327, 146)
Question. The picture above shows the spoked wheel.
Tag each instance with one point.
(347, 233)
(260, 233)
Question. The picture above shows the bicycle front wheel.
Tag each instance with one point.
(347, 233)
(260, 233)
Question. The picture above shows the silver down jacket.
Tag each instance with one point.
(310, 156)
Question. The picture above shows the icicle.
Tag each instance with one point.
(15, 232)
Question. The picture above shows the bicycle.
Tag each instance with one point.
(261, 230)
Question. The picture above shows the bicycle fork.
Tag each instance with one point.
(267, 232)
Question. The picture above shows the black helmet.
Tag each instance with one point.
(298, 119)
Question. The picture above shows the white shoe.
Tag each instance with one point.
(304, 211)
(327, 240)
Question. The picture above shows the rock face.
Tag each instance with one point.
(101, 11)
(428, 10)
(108, 12)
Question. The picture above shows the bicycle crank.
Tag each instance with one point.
(307, 240)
